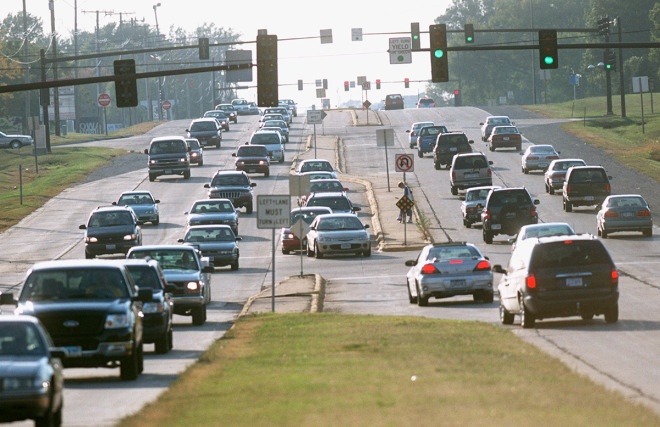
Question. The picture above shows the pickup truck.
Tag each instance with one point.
(168, 155)
(426, 138)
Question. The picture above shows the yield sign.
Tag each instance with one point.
(404, 162)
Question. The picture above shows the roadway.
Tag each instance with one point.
(612, 354)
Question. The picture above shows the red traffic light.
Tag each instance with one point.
(406, 82)
(346, 86)
(457, 92)
(377, 83)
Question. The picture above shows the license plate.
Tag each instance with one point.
(496, 226)
(168, 171)
(472, 175)
(457, 283)
(111, 247)
(543, 165)
(73, 351)
(574, 282)
(589, 198)
(453, 149)
(628, 214)
(506, 138)
(345, 245)
(252, 170)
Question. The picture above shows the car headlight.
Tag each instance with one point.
(183, 160)
(91, 239)
(117, 321)
(153, 307)
(192, 286)
(130, 237)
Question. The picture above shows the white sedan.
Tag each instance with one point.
(338, 234)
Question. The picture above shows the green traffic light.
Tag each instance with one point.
(549, 60)
(415, 37)
(439, 53)
(469, 39)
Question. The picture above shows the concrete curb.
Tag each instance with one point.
(316, 295)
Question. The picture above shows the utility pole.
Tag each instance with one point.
(26, 96)
(56, 91)
(621, 85)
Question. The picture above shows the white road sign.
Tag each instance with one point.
(400, 50)
(384, 137)
(315, 117)
(404, 162)
(273, 211)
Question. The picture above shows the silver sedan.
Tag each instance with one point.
(624, 212)
(338, 234)
(538, 157)
(444, 270)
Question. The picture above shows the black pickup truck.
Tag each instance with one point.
(90, 308)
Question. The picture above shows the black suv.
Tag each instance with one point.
(558, 276)
(449, 144)
(585, 186)
(252, 158)
(394, 101)
(506, 210)
(168, 155)
(111, 230)
(91, 308)
(207, 130)
(232, 185)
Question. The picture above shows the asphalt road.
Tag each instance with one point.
(372, 285)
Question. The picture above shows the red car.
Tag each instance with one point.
(394, 102)
(290, 242)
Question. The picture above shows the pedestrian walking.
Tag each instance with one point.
(408, 193)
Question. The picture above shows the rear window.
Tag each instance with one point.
(230, 180)
(470, 162)
(453, 140)
(588, 175)
(252, 151)
(265, 138)
(569, 253)
(432, 130)
(501, 198)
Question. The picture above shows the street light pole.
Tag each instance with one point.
(56, 91)
(160, 93)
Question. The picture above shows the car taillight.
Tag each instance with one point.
(489, 172)
(608, 188)
(530, 281)
(486, 214)
(532, 158)
(615, 277)
(453, 175)
(482, 265)
(644, 212)
(429, 269)
(553, 157)
(568, 188)
(532, 211)
(412, 134)
(610, 214)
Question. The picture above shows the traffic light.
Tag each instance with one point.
(457, 98)
(439, 64)
(604, 25)
(406, 82)
(125, 84)
(609, 59)
(469, 33)
(414, 35)
(203, 48)
(377, 83)
(300, 85)
(267, 83)
(548, 49)
(346, 86)
(325, 83)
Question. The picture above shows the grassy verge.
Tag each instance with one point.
(51, 173)
(623, 138)
(305, 369)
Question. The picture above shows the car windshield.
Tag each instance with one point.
(199, 235)
(334, 203)
(237, 180)
(316, 166)
(506, 130)
(167, 147)
(246, 150)
(336, 224)
(203, 126)
(499, 121)
(145, 276)
(265, 138)
(307, 215)
(212, 207)
(169, 259)
(135, 199)
(325, 185)
(445, 253)
(20, 339)
(74, 283)
(110, 219)
(569, 253)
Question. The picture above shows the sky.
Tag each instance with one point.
(307, 58)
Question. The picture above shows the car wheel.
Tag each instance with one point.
(518, 148)
(286, 252)
(234, 265)
(488, 237)
(420, 154)
(612, 314)
(199, 315)
(437, 166)
(186, 175)
(267, 173)
(467, 223)
(128, 368)
(454, 190)
(491, 148)
(551, 190)
(587, 315)
(505, 317)
(201, 163)
(527, 319)
(317, 251)
(367, 252)
(170, 339)
(487, 297)
(152, 178)
(525, 171)
(648, 232)
(598, 231)
(156, 221)
(603, 234)
(217, 145)
(310, 251)
(422, 301)
(248, 209)
(15, 144)
(568, 206)
(50, 417)
(162, 344)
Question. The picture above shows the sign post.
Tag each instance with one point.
(315, 117)
(385, 138)
(273, 211)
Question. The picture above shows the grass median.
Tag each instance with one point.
(333, 369)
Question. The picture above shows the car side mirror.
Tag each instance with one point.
(497, 268)
(114, 203)
(233, 154)
(471, 141)
(187, 130)
(146, 151)
(253, 184)
(356, 209)
(7, 298)
(156, 201)
(366, 226)
(82, 227)
(536, 201)
(207, 185)
(490, 162)
(238, 239)
(481, 124)
(410, 263)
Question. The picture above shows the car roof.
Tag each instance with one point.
(74, 263)
(112, 208)
(204, 119)
(328, 194)
(336, 215)
(310, 208)
(135, 192)
(207, 226)
(211, 200)
(168, 138)
(161, 247)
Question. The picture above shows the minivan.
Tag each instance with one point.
(585, 186)
(469, 170)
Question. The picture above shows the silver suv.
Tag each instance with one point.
(469, 170)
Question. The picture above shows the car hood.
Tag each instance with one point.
(112, 230)
(343, 234)
(26, 366)
(244, 158)
(223, 216)
(143, 208)
(178, 275)
(215, 246)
